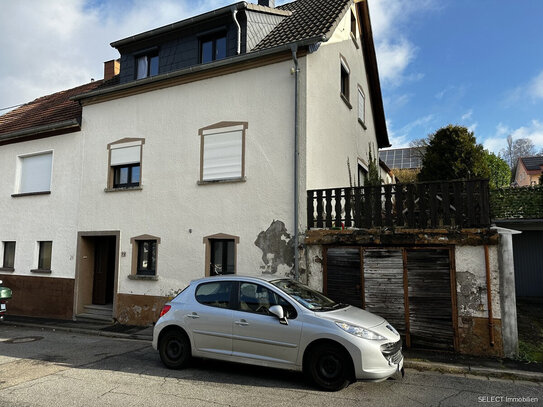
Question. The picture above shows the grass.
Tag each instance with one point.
(530, 330)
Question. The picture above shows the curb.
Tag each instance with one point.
(94, 332)
(475, 370)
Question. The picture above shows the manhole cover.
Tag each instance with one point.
(24, 339)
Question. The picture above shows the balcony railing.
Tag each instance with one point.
(427, 205)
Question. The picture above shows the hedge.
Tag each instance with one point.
(517, 203)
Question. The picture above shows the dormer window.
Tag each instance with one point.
(146, 65)
(213, 48)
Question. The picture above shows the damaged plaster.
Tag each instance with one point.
(277, 247)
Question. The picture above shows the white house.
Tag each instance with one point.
(194, 159)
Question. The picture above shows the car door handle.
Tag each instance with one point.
(241, 323)
(194, 315)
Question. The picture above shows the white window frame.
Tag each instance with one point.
(361, 107)
(20, 175)
(214, 131)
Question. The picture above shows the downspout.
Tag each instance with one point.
(296, 71)
(489, 298)
(234, 12)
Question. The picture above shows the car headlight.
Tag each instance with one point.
(359, 331)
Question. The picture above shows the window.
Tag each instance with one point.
(222, 152)
(362, 175)
(344, 84)
(44, 255)
(9, 255)
(213, 48)
(353, 24)
(35, 173)
(216, 294)
(361, 106)
(146, 65)
(126, 176)
(258, 299)
(221, 253)
(125, 164)
(222, 257)
(144, 257)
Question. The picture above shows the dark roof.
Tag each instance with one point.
(532, 163)
(44, 113)
(309, 19)
(400, 158)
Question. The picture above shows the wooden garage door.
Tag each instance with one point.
(409, 287)
(343, 280)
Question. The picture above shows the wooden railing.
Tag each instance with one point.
(427, 205)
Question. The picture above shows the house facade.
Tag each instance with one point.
(195, 158)
(528, 171)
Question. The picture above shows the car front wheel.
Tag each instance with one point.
(329, 367)
(174, 349)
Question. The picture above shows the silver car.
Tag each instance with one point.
(277, 323)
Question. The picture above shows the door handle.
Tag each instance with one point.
(241, 323)
(194, 315)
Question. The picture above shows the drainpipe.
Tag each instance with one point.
(489, 298)
(296, 71)
(234, 12)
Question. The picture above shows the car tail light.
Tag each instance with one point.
(165, 310)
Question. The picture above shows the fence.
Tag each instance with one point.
(427, 205)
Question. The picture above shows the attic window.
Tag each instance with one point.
(213, 48)
(147, 65)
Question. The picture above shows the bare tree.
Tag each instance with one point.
(521, 147)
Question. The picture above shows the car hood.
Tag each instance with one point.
(354, 316)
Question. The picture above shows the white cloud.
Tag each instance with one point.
(532, 90)
(420, 127)
(395, 52)
(535, 87)
(467, 115)
(532, 131)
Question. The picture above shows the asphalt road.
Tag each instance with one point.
(45, 368)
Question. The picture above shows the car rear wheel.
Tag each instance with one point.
(329, 367)
(174, 349)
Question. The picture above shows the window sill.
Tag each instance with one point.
(7, 269)
(362, 124)
(31, 193)
(222, 181)
(342, 96)
(41, 271)
(354, 41)
(123, 189)
(143, 277)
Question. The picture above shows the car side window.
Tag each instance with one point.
(215, 294)
(258, 299)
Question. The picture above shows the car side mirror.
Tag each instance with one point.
(277, 310)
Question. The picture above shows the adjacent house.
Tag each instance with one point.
(193, 160)
(528, 171)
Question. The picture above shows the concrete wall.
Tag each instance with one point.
(51, 217)
(171, 205)
(334, 134)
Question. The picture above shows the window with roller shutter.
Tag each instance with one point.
(124, 165)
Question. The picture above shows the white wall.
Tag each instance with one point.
(171, 203)
(29, 219)
(333, 131)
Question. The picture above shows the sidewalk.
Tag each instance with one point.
(423, 360)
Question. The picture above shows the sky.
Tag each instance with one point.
(475, 63)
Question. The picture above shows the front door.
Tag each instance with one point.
(104, 270)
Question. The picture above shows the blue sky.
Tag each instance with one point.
(477, 63)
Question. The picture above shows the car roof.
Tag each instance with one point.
(240, 277)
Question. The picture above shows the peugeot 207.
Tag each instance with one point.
(277, 323)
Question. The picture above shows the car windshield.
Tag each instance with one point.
(309, 298)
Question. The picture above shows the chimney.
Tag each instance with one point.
(111, 68)
(267, 3)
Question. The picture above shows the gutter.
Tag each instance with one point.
(203, 67)
(296, 72)
(234, 12)
(64, 125)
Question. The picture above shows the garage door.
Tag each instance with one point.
(410, 287)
